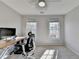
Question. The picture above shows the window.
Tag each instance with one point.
(31, 26)
(54, 30)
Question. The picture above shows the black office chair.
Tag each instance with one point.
(30, 50)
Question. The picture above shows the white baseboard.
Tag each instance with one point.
(40, 44)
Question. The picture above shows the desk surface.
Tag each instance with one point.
(5, 43)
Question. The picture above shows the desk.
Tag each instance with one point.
(5, 43)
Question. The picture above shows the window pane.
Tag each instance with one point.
(54, 30)
(31, 26)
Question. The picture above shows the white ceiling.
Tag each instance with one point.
(54, 7)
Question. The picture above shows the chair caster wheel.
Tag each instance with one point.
(23, 54)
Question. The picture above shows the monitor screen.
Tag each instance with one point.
(7, 31)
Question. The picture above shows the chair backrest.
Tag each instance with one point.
(33, 50)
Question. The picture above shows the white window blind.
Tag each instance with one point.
(31, 26)
(54, 30)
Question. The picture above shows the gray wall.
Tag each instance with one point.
(72, 30)
(9, 18)
(42, 29)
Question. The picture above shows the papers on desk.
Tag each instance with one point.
(9, 38)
